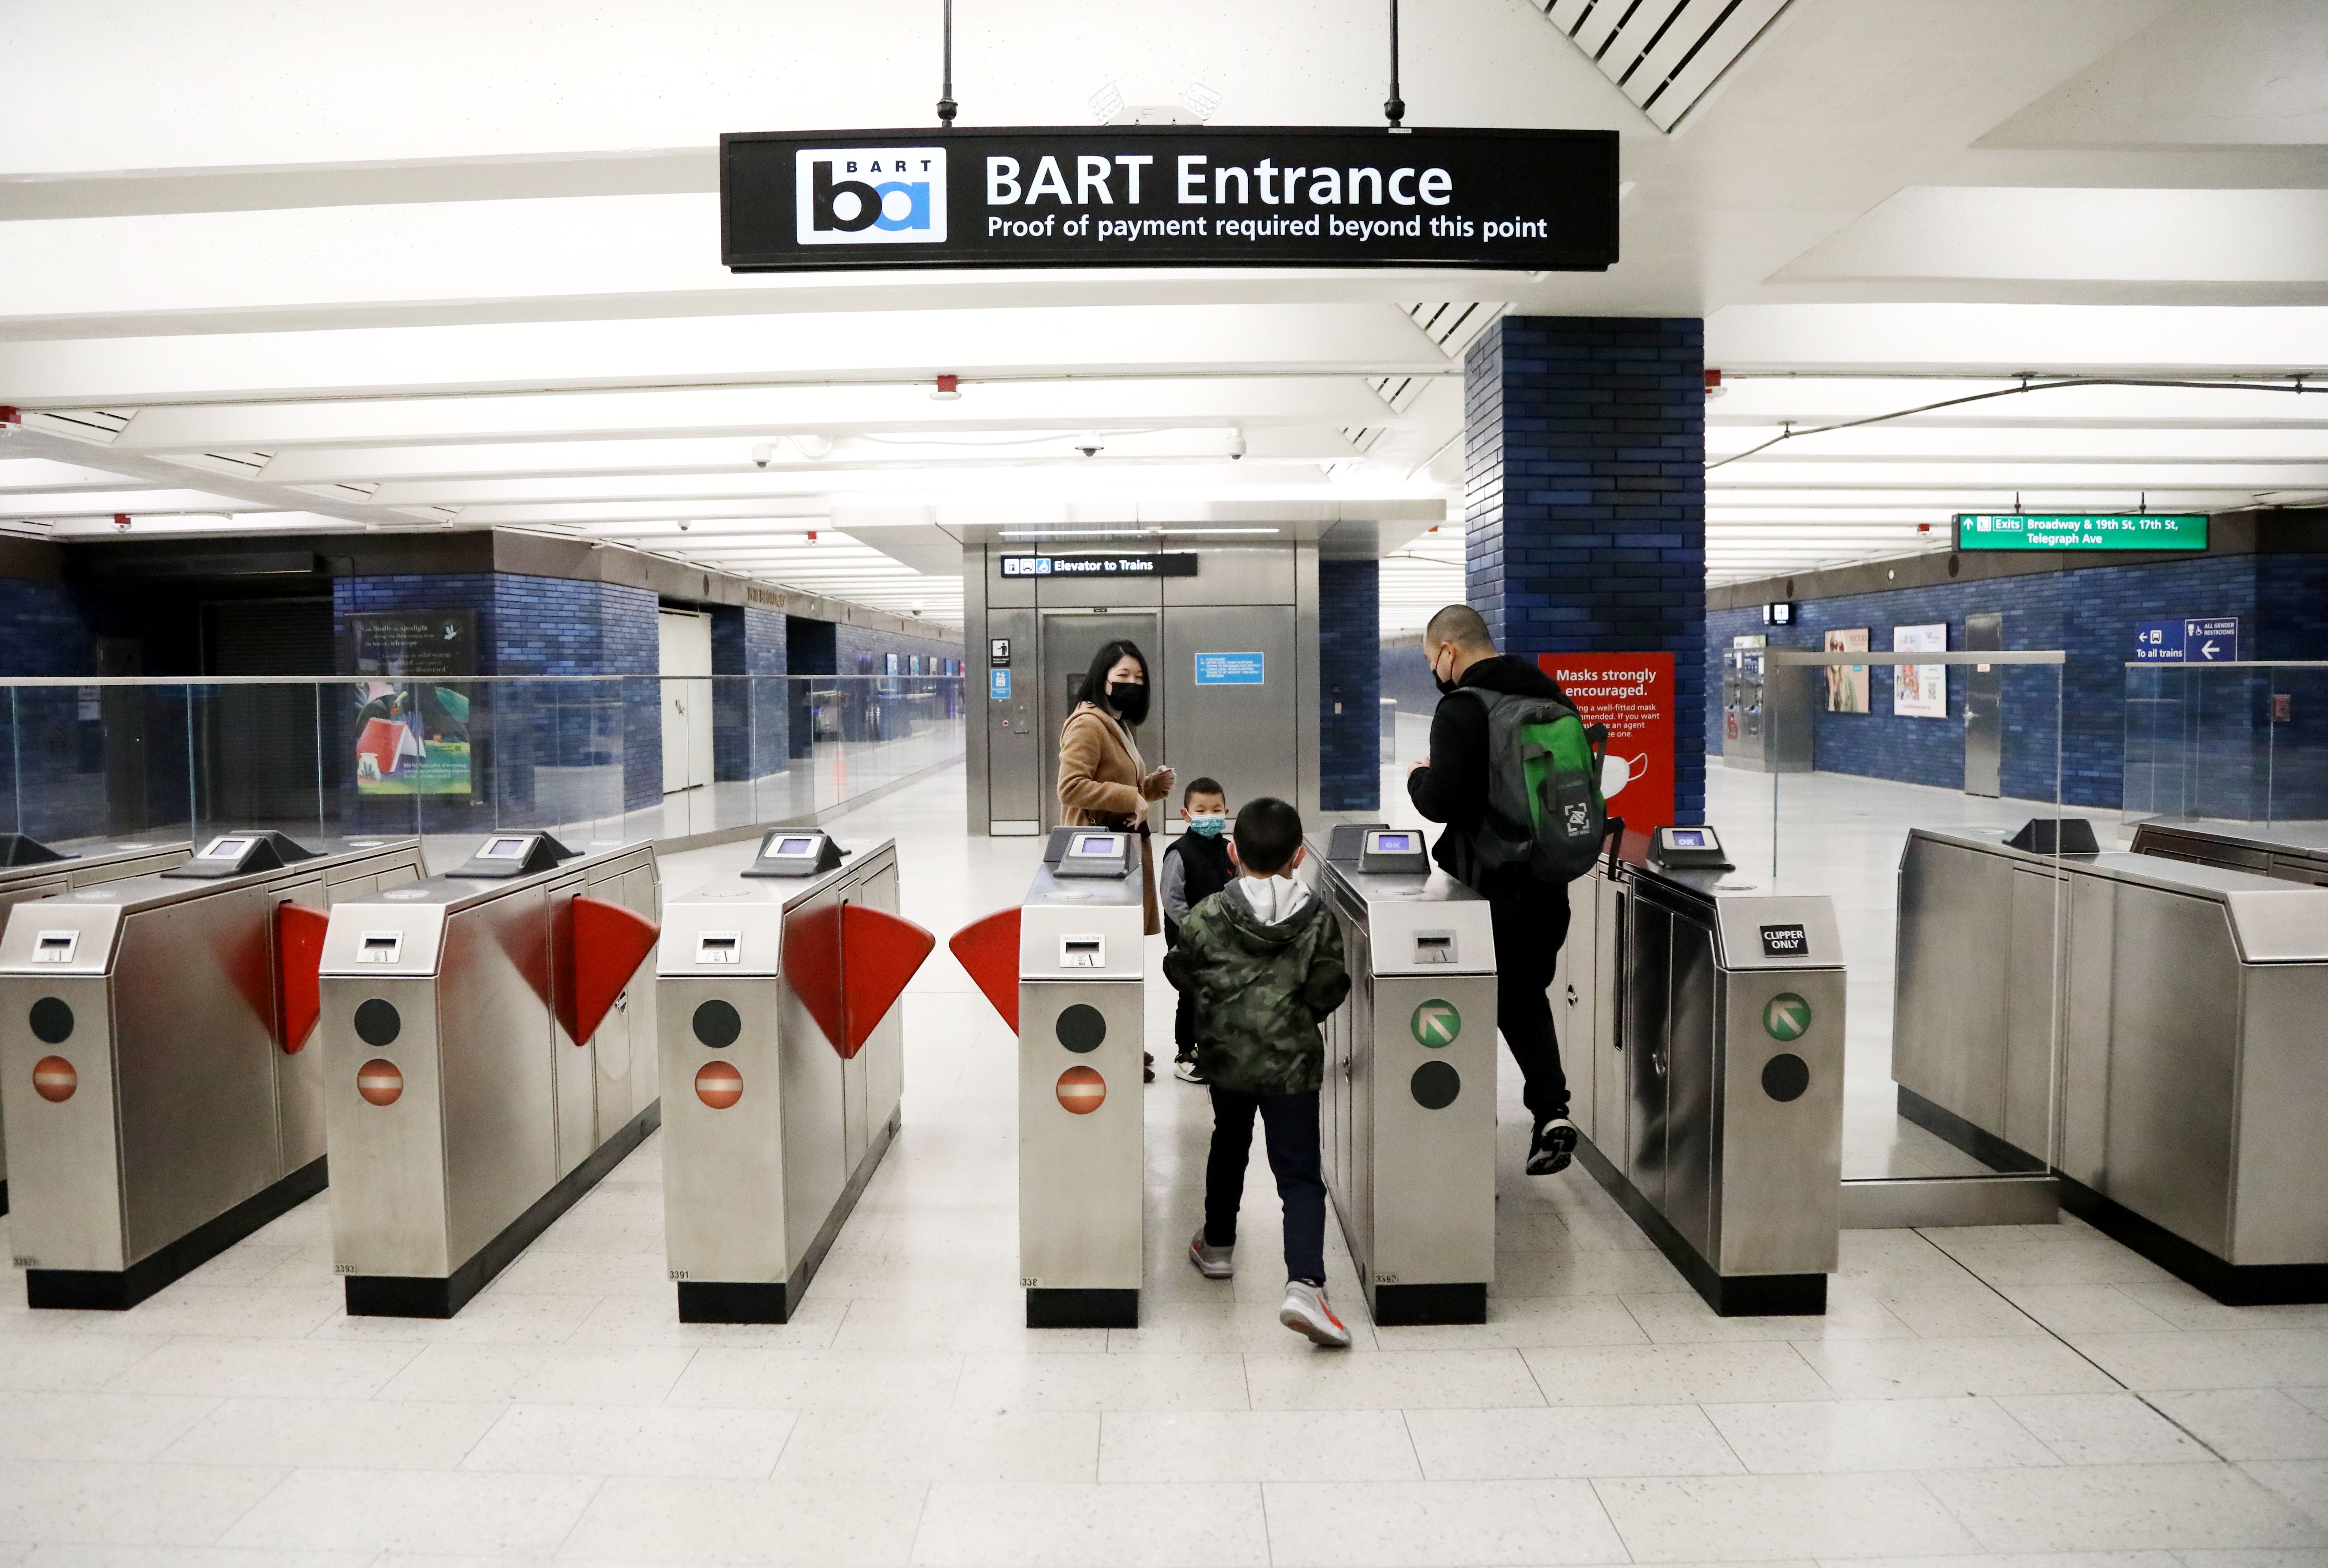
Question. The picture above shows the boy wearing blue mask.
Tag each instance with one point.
(1194, 867)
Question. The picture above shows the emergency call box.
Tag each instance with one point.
(1087, 854)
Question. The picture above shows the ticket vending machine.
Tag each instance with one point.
(30, 869)
(165, 1099)
(1409, 1110)
(486, 1060)
(1065, 971)
(783, 1065)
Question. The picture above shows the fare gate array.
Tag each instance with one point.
(486, 1061)
(783, 1065)
(30, 869)
(1409, 1111)
(1066, 970)
(161, 1024)
(2181, 1109)
(1701, 1020)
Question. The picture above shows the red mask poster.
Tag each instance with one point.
(1633, 695)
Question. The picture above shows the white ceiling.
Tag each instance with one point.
(266, 268)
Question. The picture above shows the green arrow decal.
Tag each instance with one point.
(1435, 1024)
(1787, 1017)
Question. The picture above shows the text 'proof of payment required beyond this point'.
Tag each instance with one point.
(1170, 195)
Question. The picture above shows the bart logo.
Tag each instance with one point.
(869, 195)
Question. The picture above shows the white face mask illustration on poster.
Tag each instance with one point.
(1616, 772)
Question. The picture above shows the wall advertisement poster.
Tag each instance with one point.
(411, 724)
(1920, 690)
(1847, 684)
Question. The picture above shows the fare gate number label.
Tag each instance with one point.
(1787, 1017)
(1435, 1024)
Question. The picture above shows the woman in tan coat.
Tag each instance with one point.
(1103, 781)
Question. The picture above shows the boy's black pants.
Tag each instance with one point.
(1290, 1122)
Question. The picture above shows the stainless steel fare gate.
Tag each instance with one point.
(783, 1066)
(164, 1097)
(486, 1060)
(1409, 1111)
(30, 869)
(1701, 1017)
(1065, 969)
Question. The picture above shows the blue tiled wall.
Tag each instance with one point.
(1349, 685)
(2282, 604)
(55, 782)
(1584, 499)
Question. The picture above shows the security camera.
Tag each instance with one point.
(1237, 445)
(762, 453)
(1091, 444)
(683, 524)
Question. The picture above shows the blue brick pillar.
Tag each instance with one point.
(1584, 500)
(1349, 685)
(750, 722)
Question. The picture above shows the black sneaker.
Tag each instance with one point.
(1551, 1147)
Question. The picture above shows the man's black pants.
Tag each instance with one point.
(1530, 924)
(1290, 1124)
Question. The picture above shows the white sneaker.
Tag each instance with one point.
(1213, 1263)
(1305, 1312)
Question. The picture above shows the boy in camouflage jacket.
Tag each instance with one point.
(1262, 960)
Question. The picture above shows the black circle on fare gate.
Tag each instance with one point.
(378, 1022)
(718, 1025)
(51, 1021)
(1785, 1076)
(1080, 1027)
(1435, 1085)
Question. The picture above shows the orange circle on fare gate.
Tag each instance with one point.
(1082, 1090)
(719, 1085)
(381, 1082)
(54, 1079)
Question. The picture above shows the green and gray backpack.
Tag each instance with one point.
(1545, 810)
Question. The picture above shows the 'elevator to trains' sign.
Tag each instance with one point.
(1169, 196)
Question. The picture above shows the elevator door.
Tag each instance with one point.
(1070, 639)
(1235, 721)
(1984, 705)
(686, 650)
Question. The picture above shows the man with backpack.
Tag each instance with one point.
(1514, 774)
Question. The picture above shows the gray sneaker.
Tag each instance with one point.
(1305, 1312)
(1213, 1263)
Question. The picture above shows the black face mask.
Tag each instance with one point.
(1128, 701)
(1445, 686)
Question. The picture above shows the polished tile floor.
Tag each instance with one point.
(2036, 1398)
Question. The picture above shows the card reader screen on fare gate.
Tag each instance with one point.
(1688, 850)
(1394, 853)
(794, 854)
(1096, 854)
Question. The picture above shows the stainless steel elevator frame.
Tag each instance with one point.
(1702, 1020)
(1409, 1112)
(175, 1115)
(464, 1116)
(770, 1134)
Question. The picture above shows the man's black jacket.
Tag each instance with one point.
(1453, 788)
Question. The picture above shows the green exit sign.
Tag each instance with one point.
(2081, 530)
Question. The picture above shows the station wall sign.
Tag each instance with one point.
(1633, 695)
(2213, 640)
(1169, 196)
(2082, 530)
(1181, 564)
